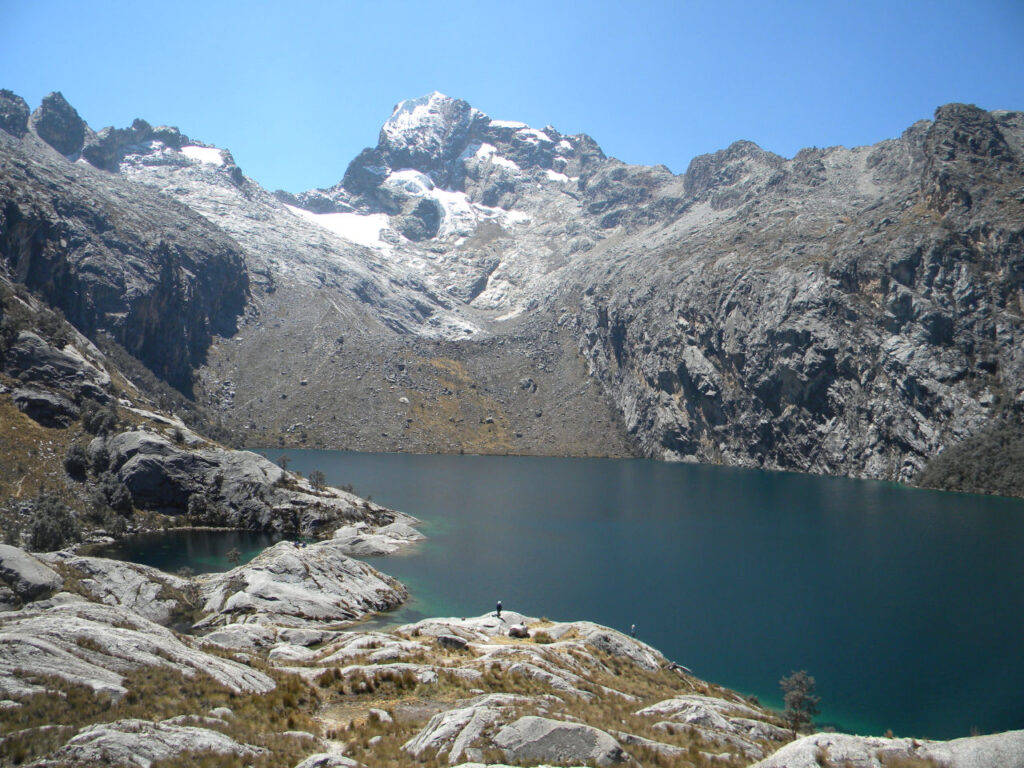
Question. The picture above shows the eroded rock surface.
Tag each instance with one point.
(1001, 749)
(140, 743)
(537, 738)
(92, 644)
(148, 592)
(290, 584)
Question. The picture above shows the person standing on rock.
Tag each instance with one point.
(632, 631)
(499, 609)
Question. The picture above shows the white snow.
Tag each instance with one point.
(508, 124)
(532, 135)
(565, 146)
(412, 181)
(210, 155)
(359, 228)
(425, 122)
(556, 176)
(489, 152)
(459, 216)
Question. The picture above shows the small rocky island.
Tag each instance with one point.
(274, 670)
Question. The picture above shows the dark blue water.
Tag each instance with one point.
(907, 606)
(201, 551)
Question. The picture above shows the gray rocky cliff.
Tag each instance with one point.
(847, 312)
(118, 258)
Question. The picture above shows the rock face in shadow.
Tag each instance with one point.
(116, 258)
(13, 113)
(58, 124)
(31, 358)
(28, 577)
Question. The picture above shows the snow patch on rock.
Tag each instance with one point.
(209, 155)
(363, 229)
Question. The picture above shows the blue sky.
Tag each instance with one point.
(296, 89)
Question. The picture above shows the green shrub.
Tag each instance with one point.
(99, 419)
(76, 461)
(52, 525)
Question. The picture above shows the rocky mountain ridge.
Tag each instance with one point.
(476, 284)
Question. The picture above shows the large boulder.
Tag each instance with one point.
(46, 408)
(58, 124)
(28, 577)
(534, 738)
(457, 733)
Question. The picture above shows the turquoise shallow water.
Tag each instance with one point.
(906, 605)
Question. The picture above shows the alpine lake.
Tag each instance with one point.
(907, 606)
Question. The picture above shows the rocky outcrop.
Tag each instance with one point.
(148, 592)
(31, 358)
(363, 540)
(452, 734)
(94, 645)
(108, 147)
(736, 725)
(13, 113)
(1003, 749)
(141, 743)
(538, 738)
(291, 584)
(28, 577)
(237, 488)
(58, 124)
(47, 408)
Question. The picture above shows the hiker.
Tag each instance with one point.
(632, 631)
(499, 609)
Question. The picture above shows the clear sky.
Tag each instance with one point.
(296, 88)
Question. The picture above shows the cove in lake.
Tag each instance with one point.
(906, 605)
(200, 550)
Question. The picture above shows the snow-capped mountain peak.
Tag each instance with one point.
(428, 128)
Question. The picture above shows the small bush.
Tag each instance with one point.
(53, 525)
(317, 479)
(76, 462)
(99, 419)
(114, 493)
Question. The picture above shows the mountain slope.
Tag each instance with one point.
(481, 285)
